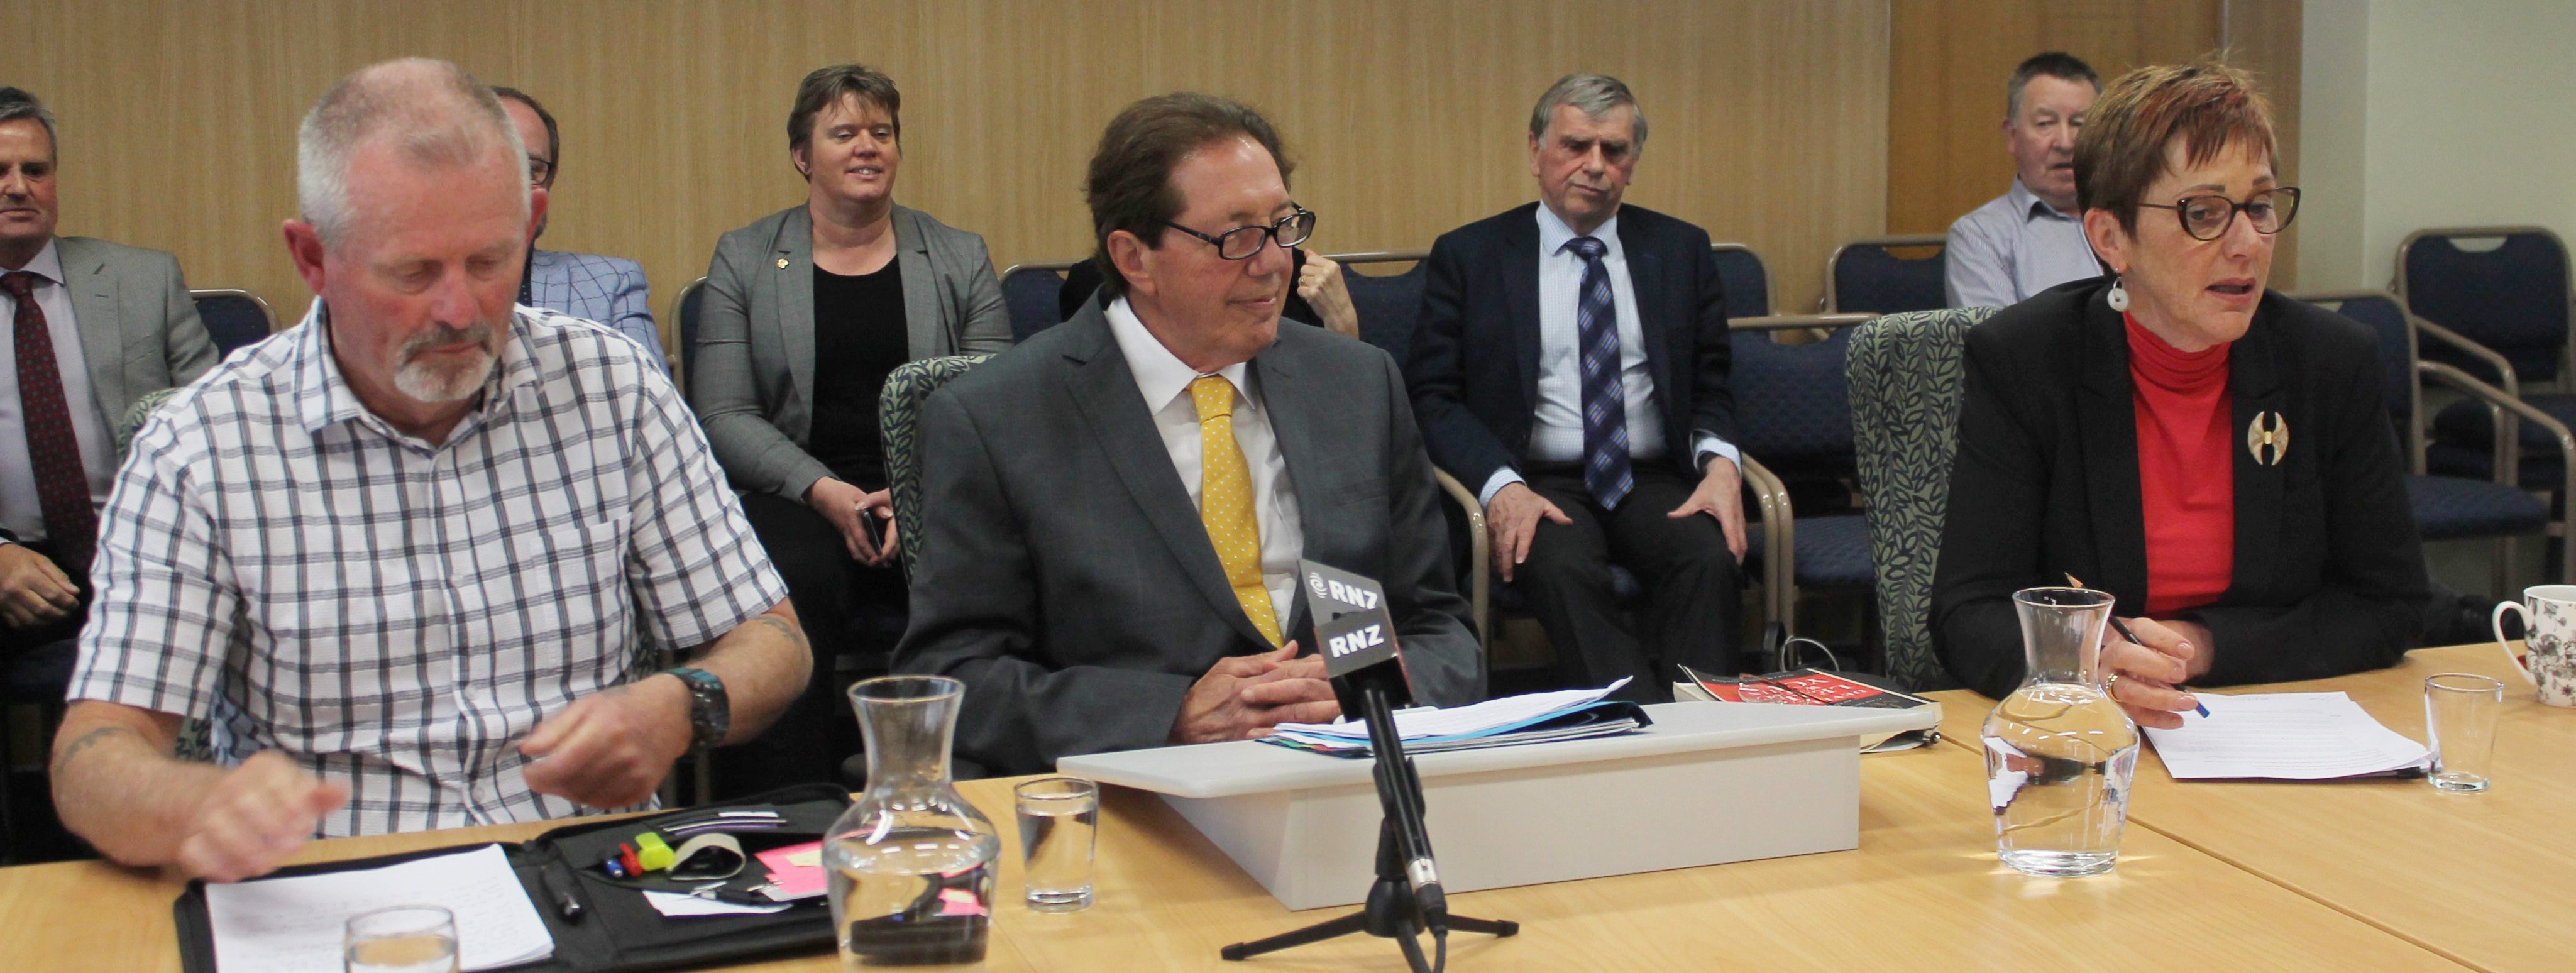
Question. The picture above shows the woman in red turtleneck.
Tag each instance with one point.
(2217, 457)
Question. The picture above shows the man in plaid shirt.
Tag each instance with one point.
(407, 559)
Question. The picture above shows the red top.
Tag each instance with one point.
(2186, 472)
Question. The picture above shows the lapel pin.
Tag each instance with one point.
(2269, 430)
(782, 263)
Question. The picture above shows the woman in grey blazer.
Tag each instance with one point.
(804, 313)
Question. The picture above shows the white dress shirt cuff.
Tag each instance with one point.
(1707, 444)
(1494, 484)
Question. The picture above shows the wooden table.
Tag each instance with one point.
(2486, 879)
(1923, 892)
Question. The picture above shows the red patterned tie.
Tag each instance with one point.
(62, 488)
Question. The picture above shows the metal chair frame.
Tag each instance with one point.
(2566, 346)
(1831, 303)
(1771, 494)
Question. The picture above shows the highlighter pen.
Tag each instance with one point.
(2133, 639)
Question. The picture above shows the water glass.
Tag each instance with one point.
(402, 939)
(2460, 722)
(1059, 825)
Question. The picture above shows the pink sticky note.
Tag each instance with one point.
(797, 870)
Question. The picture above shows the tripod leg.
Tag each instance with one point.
(1330, 928)
(1497, 927)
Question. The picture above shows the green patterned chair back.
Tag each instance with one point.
(899, 418)
(134, 416)
(1904, 371)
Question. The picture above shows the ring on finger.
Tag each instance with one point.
(2111, 683)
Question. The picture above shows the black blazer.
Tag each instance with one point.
(1473, 370)
(1065, 575)
(2329, 575)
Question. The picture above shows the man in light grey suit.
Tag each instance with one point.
(1117, 506)
(97, 326)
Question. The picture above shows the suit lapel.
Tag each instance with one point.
(2253, 386)
(1646, 279)
(1520, 295)
(921, 323)
(1104, 390)
(793, 315)
(102, 332)
(1297, 410)
(2107, 417)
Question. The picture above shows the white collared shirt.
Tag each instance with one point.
(396, 614)
(1165, 383)
(1556, 427)
(19, 511)
(2013, 247)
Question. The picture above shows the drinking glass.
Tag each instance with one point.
(1059, 827)
(402, 939)
(2460, 723)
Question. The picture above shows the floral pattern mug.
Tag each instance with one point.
(2549, 624)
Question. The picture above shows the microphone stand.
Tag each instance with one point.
(1406, 899)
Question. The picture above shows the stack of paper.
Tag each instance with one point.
(1563, 715)
(2284, 736)
(295, 925)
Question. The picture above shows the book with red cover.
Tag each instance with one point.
(1810, 687)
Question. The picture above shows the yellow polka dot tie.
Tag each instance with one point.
(1225, 502)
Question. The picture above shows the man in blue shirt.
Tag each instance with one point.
(609, 290)
(2031, 238)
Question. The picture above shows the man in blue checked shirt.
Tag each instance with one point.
(409, 557)
(609, 290)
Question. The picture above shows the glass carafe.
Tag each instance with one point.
(911, 863)
(2059, 752)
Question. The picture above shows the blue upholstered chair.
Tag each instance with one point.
(684, 314)
(1794, 425)
(1869, 275)
(234, 319)
(1029, 291)
(2445, 507)
(1748, 285)
(2499, 300)
(1906, 381)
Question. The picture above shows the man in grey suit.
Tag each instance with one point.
(96, 326)
(1118, 505)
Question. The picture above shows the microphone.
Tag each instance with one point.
(1367, 670)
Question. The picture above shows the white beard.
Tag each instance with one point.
(455, 383)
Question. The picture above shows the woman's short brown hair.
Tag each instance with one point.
(2206, 103)
(825, 87)
(1129, 184)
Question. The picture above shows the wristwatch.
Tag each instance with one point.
(710, 715)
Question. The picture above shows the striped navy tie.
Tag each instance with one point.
(1605, 401)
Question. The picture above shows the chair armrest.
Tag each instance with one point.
(2506, 381)
(2497, 398)
(1479, 564)
(1779, 543)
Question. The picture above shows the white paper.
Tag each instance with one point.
(295, 925)
(1424, 722)
(2284, 736)
(677, 904)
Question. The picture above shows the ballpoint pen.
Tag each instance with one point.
(2133, 640)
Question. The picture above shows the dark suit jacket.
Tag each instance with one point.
(1474, 363)
(2329, 575)
(752, 379)
(1064, 574)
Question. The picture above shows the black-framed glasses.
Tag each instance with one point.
(1242, 242)
(2208, 217)
(540, 171)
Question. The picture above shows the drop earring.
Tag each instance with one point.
(2118, 298)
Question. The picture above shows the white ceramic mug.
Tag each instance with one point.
(2549, 624)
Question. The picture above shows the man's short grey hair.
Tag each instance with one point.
(438, 114)
(16, 103)
(1593, 94)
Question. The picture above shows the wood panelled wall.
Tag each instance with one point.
(1949, 60)
(1407, 117)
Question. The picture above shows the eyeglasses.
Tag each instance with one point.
(1242, 242)
(540, 171)
(2208, 217)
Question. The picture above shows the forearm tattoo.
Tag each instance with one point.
(86, 741)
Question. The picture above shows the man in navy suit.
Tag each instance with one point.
(1571, 367)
